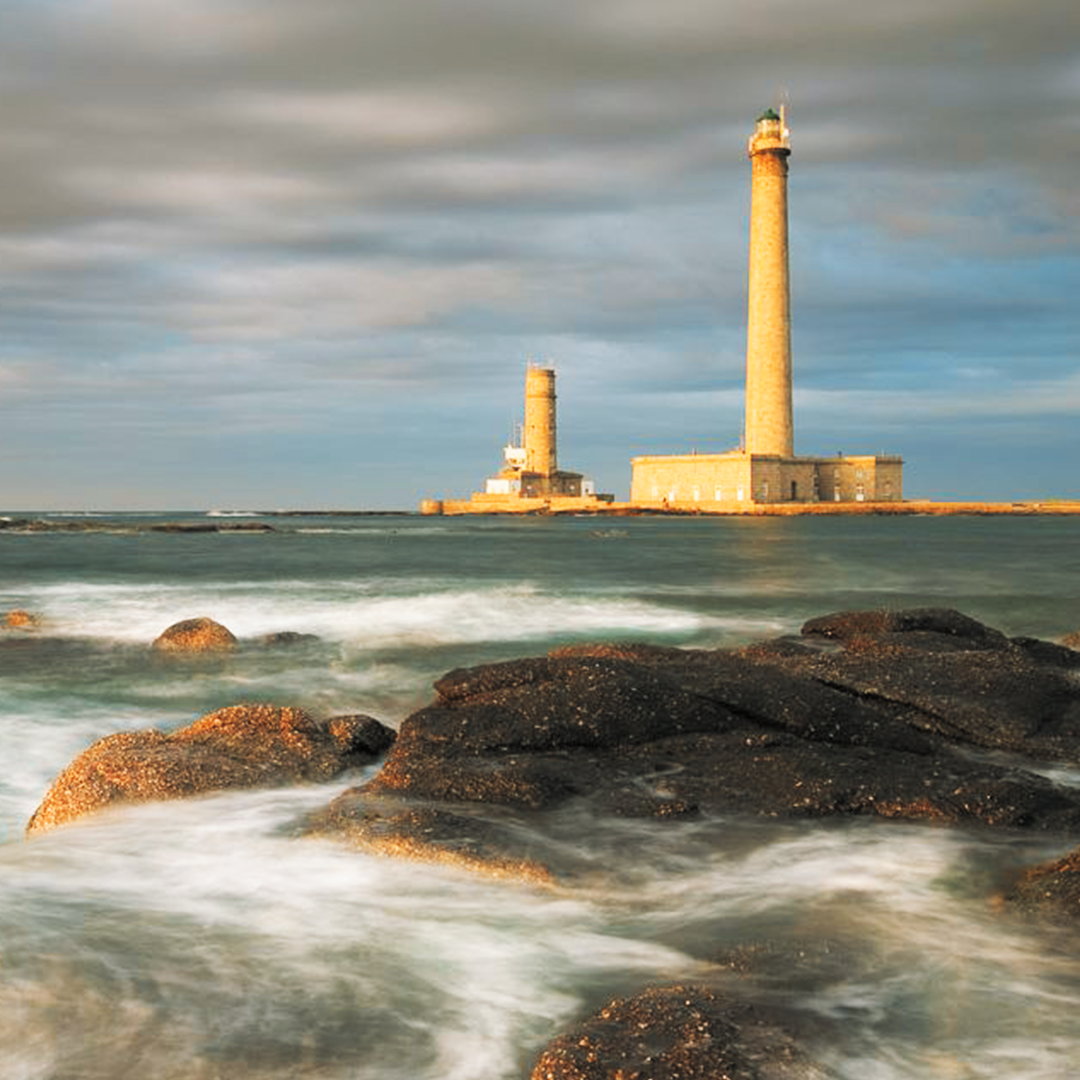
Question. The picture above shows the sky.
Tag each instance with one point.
(271, 254)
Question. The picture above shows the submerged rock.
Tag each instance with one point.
(428, 834)
(236, 747)
(677, 1033)
(195, 636)
(287, 638)
(1051, 888)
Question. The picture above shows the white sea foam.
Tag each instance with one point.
(362, 615)
(206, 922)
(233, 916)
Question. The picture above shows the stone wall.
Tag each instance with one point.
(689, 480)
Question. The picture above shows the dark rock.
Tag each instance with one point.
(1052, 889)
(1046, 652)
(210, 527)
(236, 747)
(677, 1033)
(805, 965)
(198, 635)
(1002, 697)
(875, 724)
(355, 734)
(945, 621)
(287, 638)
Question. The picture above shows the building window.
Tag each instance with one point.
(794, 490)
(655, 493)
(740, 495)
(719, 494)
(697, 493)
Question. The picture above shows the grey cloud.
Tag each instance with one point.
(254, 202)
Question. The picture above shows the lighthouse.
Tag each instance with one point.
(768, 321)
(540, 437)
(764, 468)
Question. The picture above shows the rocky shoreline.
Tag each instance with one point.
(107, 525)
(919, 715)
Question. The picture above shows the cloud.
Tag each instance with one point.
(209, 210)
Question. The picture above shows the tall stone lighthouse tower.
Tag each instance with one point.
(768, 325)
(764, 469)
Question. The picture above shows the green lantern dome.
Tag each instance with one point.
(768, 114)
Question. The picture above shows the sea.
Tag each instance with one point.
(206, 938)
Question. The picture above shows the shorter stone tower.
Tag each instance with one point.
(530, 480)
(540, 432)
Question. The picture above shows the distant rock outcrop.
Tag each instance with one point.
(241, 746)
(198, 635)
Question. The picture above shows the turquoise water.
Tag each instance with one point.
(199, 939)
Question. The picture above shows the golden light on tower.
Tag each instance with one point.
(768, 328)
(540, 431)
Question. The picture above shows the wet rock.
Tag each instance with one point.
(521, 733)
(17, 619)
(287, 638)
(210, 527)
(805, 965)
(1047, 652)
(1052, 889)
(236, 747)
(877, 723)
(677, 1033)
(991, 692)
(847, 625)
(428, 834)
(200, 635)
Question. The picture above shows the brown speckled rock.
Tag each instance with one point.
(195, 636)
(1051, 888)
(235, 747)
(429, 835)
(21, 620)
(1072, 641)
(676, 1033)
